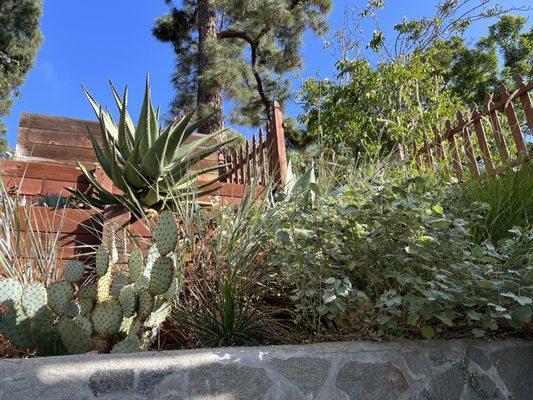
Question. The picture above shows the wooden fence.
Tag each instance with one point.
(459, 135)
(261, 159)
(48, 147)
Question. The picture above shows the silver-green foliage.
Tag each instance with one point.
(120, 312)
(150, 164)
(379, 254)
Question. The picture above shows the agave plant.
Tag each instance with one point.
(151, 165)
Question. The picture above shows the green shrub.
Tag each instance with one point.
(508, 199)
(387, 256)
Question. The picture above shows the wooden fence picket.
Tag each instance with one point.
(475, 121)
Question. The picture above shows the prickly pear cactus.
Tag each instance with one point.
(166, 233)
(74, 271)
(161, 275)
(10, 292)
(27, 322)
(119, 311)
(34, 299)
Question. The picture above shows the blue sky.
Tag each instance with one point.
(87, 41)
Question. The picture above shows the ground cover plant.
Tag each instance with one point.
(381, 254)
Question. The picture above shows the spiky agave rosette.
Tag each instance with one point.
(118, 312)
(150, 164)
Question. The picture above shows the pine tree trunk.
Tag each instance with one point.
(209, 95)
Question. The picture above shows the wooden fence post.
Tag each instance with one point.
(525, 100)
(277, 149)
(514, 124)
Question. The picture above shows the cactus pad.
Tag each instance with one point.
(103, 286)
(112, 245)
(135, 327)
(10, 292)
(16, 327)
(166, 233)
(152, 256)
(161, 275)
(102, 261)
(119, 281)
(85, 324)
(146, 303)
(88, 291)
(74, 337)
(71, 309)
(33, 299)
(107, 317)
(129, 345)
(173, 290)
(44, 320)
(59, 294)
(128, 300)
(86, 305)
(74, 271)
(157, 317)
(135, 265)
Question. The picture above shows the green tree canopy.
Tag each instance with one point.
(20, 38)
(374, 108)
(470, 72)
(255, 44)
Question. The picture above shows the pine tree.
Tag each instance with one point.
(20, 38)
(240, 49)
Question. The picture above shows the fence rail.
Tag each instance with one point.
(460, 135)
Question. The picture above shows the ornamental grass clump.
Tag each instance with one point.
(508, 200)
(226, 300)
(153, 166)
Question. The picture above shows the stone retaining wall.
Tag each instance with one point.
(410, 370)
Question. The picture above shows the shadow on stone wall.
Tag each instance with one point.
(451, 370)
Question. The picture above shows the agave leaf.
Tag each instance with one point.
(104, 163)
(181, 168)
(185, 151)
(125, 141)
(107, 120)
(122, 106)
(132, 172)
(177, 136)
(154, 122)
(117, 173)
(154, 161)
(194, 126)
(96, 202)
(191, 176)
(152, 196)
(143, 126)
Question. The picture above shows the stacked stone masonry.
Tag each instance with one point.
(402, 370)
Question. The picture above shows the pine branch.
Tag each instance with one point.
(254, 44)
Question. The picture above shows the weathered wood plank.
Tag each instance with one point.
(497, 130)
(65, 220)
(482, 140)
(467, 145)
(41, 170)
(513, 120)
(456, 160)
